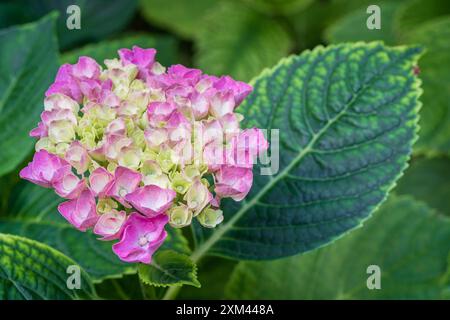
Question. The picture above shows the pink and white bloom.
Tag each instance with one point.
(80, 212)
(125, 182)
(77, 156)
(147, 137)
(100, 181)
(159, 112)
(110, 225)
(42, 170)
(141, 237)
(151, 200)
(67, 185)
(233, 182)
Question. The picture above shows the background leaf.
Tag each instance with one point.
(184, 17)
(435, 116)
(99, 18)
(28, 62)
(405, 238)
(169, 268)
(352, 27)
(240, 42)
(165, 45)
(428, 180)
(30, 270)
(348, 118)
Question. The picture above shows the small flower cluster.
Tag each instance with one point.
(133, 147)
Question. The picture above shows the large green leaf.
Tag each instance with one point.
(435, 116)
(165, 45)
(428, 180)
(98, 18)
(352, 27)
(169, 268)
(240, 42)
(184, 17)
(28, 62)
(30, 270)
(347, 116)
(405, 239)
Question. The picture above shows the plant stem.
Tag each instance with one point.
(172, 293)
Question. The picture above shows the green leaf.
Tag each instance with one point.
(169, 268)
(405, 238)
(435, 115)
(428, 180)
(165, 45)
(415, 12)
(184, 17)
(98, 18)
(240, 42)
(28, 62)
(30, 270)
(33, 214)
(347, 116)
(352, 27)
(213, 273)
(280, 7)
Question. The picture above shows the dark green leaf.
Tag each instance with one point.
(184, 17)
(352, 27)
(30, 270)
(434, 119)
(240, 42)
(347, 116)
(428, 180)
(28, 62)
(169, 268)
(166, 47)
(405, 239)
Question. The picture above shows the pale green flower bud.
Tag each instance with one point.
(130, 157)
(210, 218)
(46, 144)
(61, 131)
(61, 148)
(197, 197)
(165, 160)
(180, 216)
(180, 183)
(106, 205)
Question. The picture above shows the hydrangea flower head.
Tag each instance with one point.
(134, 147)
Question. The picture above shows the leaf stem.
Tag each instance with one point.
(172, 293)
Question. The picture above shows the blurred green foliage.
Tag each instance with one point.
(240, 38)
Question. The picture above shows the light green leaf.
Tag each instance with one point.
(352, 27)
(280, 7)
(413, 13)
(165, 45)
(347, 119)
(240, 42)
(169, 268)
(30, 270)
(428, 180)
(184, 17)
(435, 115)
(28, 62)
(405, 239)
